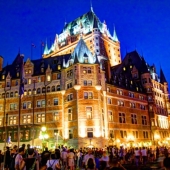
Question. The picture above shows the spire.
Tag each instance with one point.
(114, 35)
(46, 48)
(162, 76)
(91, 6)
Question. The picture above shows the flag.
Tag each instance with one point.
(22, 78)
(33, 45)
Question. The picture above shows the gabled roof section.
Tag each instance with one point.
(88, 21)
(81, 54)
(162, 77)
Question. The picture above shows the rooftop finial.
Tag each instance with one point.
(91, 6)
(114, 34)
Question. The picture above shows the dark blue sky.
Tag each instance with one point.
(143, 25)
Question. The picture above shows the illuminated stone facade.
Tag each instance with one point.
(92, 97)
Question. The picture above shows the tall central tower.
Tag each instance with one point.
(95, 34)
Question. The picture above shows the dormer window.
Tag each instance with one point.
(70, 63)
(42, 69)
(3, 77)
(59, 67)
(85, 60)
(18, 74)
(48, 78)
(8, 84)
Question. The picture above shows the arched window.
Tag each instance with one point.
(43, 90)
(16, 94)
(48, 89)
(11, 94)
(58, 87)
(53, 88)
(7, 95)
(25, 92)
(29, 92)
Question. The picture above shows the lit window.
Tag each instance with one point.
(69, 114)
(3, 77)
(39, 79)
(29, 81)
(12, 120)
(25, 92)
(29, 105)
(1, 121)
(26, 119)
(59, 67)
(43, 103)
(13, 106)
(40, 118)
(48, 78)
(29, 71)
(56, 116)
(16, 94)
(110, 116)
(29, 92)
(88, 95)
(89, 112)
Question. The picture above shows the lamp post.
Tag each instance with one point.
(56, 134)
(43, 135)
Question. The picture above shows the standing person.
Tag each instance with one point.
(1, 160)
(19, 158)
(29, 163)
(137, 156)
(70, 157)
(7, 159)
(88, 160)
(79, 158)
(64, 158)
(104, 160)
(144, 155)
(53, 163)
(13, 156)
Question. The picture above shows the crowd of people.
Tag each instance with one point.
(64, 158)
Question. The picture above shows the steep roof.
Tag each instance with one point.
(121, 75)
(162, 77)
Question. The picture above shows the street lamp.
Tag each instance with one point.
(43, 135)
(56, 134)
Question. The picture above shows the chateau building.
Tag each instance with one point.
(83, 93)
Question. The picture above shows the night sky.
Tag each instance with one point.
(143, 25)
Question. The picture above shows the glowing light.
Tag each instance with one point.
(156, 136)
(43, 128)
